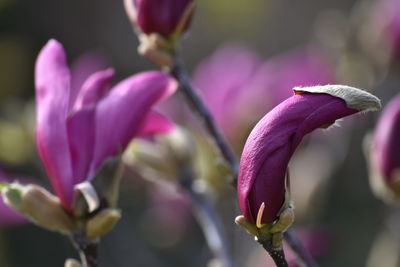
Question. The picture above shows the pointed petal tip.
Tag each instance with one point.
(355, 98)
(106, 72)
(170, 82)
(51, 57)
(105, 76)
(53, 46)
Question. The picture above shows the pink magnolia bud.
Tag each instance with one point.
(159, 16)
(274, 139)
(385, 152)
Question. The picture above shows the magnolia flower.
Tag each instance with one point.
(159, 16)
(269, 147)
(78, 130)
(385, 153)
(305, 66)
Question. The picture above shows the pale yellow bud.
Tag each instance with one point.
(250, 228)
(72, 263)
(102, 222)
(43, 208)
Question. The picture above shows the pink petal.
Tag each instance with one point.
(94, 88)
(52, 81)
(155, 123)
(386, 143)
(81, 139)
(82, 68)
(121, 114)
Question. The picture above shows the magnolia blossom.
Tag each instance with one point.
(78, 128)
(385, 152)
(274, 139)
(157, 16)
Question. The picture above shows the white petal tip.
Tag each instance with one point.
(90, 195)
(355, 98)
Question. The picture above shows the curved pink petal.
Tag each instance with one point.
(271, 144)
(155, 123)
(82, 68)
(52, 81)
(121, 114)
(81, 135)
(94, 88)
(386, 141)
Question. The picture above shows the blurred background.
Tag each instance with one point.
(244, 56)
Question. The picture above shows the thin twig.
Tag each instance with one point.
(303, 254)
(87, 249)
(180, 73)
(207, 219)
(277, 254)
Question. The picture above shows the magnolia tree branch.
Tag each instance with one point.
(277, 254)
(197, 105)
(207, 219)
(303, 254)
(87, 249)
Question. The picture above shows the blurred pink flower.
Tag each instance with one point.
(169, 215)
(274, 139)
(77, 130)
(239, 88)
(306, 66)
(226, 81)
(385, 149)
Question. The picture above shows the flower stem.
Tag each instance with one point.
(277, 254)
(293, 241)
(207, 219)
(87, 249)
(180, 73)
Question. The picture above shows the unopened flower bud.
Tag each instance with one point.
(384, 153)
(102, 222)
(165, 156)
(269, 147)
(39, 205)
(165, 17)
